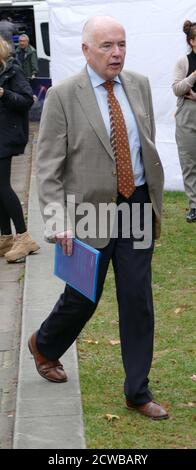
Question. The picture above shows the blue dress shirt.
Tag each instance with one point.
(132, 130)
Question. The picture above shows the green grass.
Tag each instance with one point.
(101, 371)
(21, 275)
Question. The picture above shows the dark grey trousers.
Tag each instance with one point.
(132, 270)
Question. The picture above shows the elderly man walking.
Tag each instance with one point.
(97, 143)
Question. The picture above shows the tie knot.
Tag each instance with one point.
(109, 85)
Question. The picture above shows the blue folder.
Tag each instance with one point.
(80, 270)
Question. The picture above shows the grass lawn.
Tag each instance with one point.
(108, 424)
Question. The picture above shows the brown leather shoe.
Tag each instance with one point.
(50, 370)
(151, 409)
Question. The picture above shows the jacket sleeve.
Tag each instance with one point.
(20, 95)
(182, 84)
(34, 63)
(51, 157)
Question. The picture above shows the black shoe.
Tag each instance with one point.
(191, 217)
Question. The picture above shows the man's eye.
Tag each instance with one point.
(106, 46)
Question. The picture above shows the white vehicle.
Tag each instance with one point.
(31, 18)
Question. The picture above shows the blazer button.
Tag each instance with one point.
(113, 199)
(114, 172)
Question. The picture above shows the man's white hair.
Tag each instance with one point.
(25, 36)
(94, 23)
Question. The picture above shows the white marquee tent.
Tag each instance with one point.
(154, 42)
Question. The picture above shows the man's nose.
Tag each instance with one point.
(116, 50)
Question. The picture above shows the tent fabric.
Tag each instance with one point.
(155, 41)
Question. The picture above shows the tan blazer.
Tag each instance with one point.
(74, 155)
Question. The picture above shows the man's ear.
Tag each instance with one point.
(85, 49)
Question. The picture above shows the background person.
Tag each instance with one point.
(27, 57)
(184, 88)
(15, 101)
(96, 141)
(7, 30)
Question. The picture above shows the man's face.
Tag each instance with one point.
(23, 42)
(105, 53)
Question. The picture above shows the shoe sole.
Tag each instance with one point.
(43, 376)
(22, 257)
(158, 418)
(18, 260)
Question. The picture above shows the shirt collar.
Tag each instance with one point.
(96, 80)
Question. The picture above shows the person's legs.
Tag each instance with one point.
(5, 222)
(6, 238)
(19, 246)
(132, 269)
(10, 206)
(188, 166)
(186, 142)
(69, 315)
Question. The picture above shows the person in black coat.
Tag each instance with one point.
(15, 101)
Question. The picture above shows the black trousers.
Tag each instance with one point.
(10, 206)
(132, 268)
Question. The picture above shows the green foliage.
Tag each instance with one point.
(21, 275)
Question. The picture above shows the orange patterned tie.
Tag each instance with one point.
(120, 144)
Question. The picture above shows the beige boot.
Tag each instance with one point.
(6, 242)
(23, 246)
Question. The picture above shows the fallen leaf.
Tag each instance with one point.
(165, 405)
(113, 342)
(191, 404)
(158, 245)
(193, 377)
(178, 310)
(90, 341)
(110, 417)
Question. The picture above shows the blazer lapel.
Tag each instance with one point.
(87, 99)
(134, 100)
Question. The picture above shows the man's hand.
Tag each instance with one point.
(1, 92)
(191, 95)
(66, 241)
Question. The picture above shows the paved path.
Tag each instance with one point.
(11, 285)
